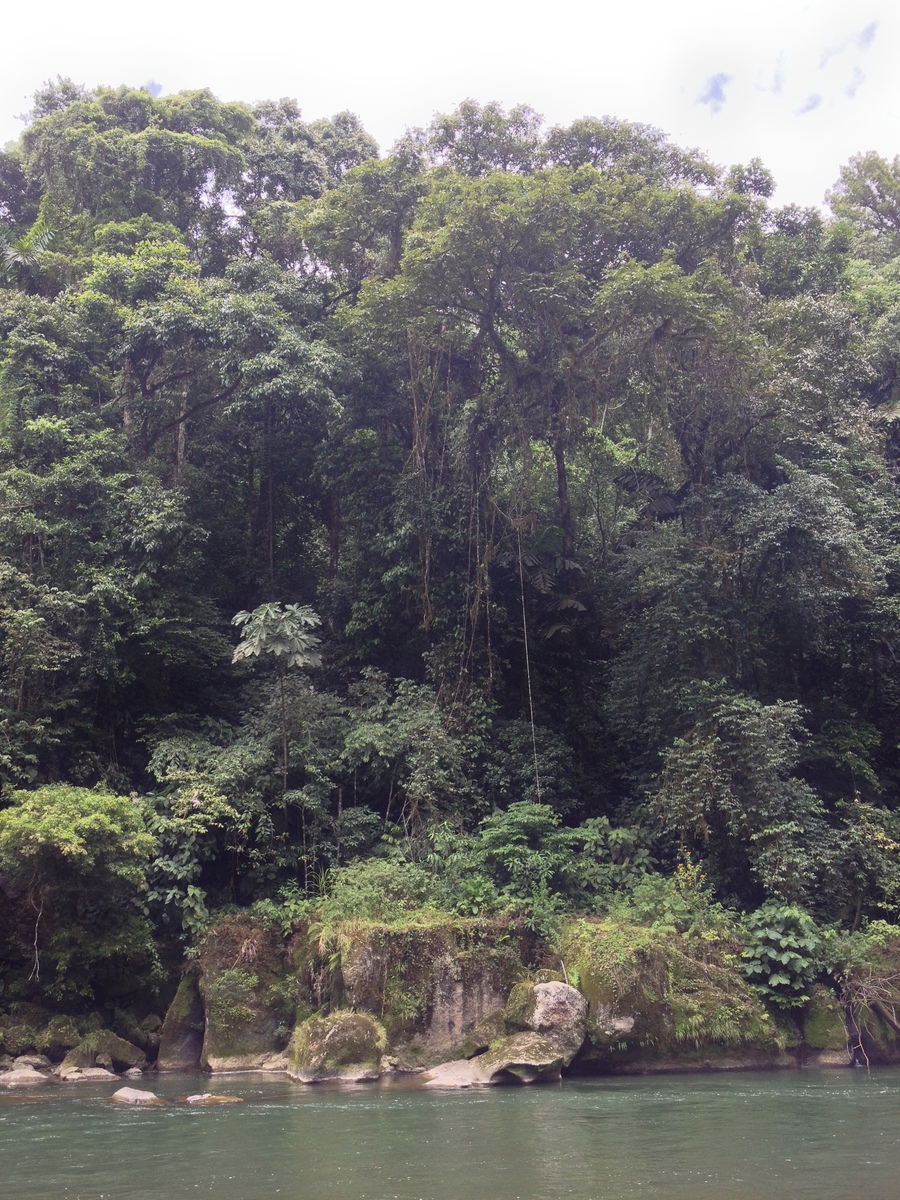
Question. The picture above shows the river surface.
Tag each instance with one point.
(825, 1135)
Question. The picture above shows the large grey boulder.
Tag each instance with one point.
(538, 1033)
(555, 1010)
(519, 1058)
(32, 1060)
(21, 1077)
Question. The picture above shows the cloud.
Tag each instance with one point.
(865, 39)
(810, 104)
(714, 93)
(776, 82)
(862, 41)
(856, 81)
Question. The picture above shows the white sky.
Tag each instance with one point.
(801, 85)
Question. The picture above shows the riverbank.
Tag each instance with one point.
(365, 1000)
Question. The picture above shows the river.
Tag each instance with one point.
(825, 1135)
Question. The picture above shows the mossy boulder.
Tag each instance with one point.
(181, 1036)
(525, 1057)
(102, 1048)
(342, 1045)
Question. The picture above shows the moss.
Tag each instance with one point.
(184, 1000)
(339, 1044)
(823, 1022)
(520, 1006)
(21, 1028)
(60, 1034)
(653, 989)
(181, 1036)
(242, 959)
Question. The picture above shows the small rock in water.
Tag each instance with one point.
(83, 1074)
(209, 1098)
(134, 1073)
(129, 1095)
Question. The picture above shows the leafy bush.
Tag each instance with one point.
(377, 890)
(72, 866)
(781, 957)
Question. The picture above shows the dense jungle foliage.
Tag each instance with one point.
(505, 523)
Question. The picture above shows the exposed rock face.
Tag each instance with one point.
(463, 994)
(454, 972)
(127, 1095)
(181, 1037)
(344, 1045)
(556, 1010)
(548, 1022)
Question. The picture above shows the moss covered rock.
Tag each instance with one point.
(20, 1031)
(655, 996)
(343, 1045)
(525, 1057)
(61, 1034)
(102, 1048)
(181, 1036)
(824, 1027)
(430, 977)
(243, 962)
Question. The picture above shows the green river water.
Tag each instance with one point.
(753, 1136)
